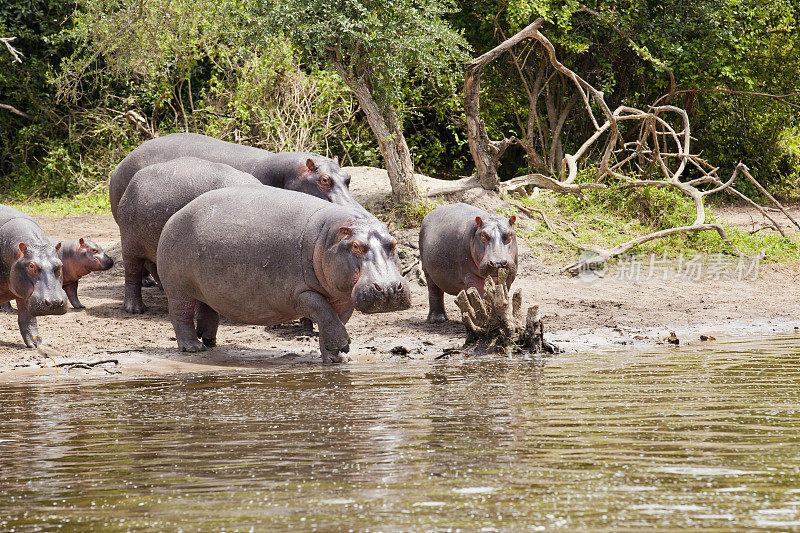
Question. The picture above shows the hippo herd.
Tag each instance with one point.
(259, 237)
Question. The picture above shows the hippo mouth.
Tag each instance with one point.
(104, 263)
(376, 299)
(46, 307)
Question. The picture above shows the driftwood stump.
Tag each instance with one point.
(494, 323)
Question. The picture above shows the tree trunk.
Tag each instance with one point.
(389, 133)
(485, 152)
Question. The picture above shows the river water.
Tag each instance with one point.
(701, 437)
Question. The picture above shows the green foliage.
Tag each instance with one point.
(382, 41)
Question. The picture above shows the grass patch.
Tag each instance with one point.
(609, 217)
(94, 202)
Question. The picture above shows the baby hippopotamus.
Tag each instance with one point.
(460, 246)
(261, 255)
(80, 257)
(30, 272)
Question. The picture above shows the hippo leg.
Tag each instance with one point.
(133, 284)
(436, 313)
(6, 308)
(307, 325)
(150, 277)
(27, 325)
(471, 280)
(333, 338)
(207, 324)
(72, 293)
(181, 313)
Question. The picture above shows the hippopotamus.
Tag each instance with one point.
(460, 246)
(80, 257)
(30, 272)
(260, 255)
(153, 195)
(297, 171)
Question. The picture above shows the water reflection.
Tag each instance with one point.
(694, 437)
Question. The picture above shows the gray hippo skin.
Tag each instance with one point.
(30, 272)
(80, 257)
(260, 255)
(154, 194)
(460, 246)
(297, 171)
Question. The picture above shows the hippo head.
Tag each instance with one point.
(494, 245)
(35, 277)
(361, 260)
(324, 178)
(87, 257)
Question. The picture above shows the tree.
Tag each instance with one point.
(376, 46)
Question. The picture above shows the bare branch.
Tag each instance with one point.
(16, 111)
(16, 55)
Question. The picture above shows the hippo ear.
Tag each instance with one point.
(22, 249)
(479, 221)
(336, 159)
(344, 232)
(58, 246)
(311, 165)
(512, 220)
(81, 243)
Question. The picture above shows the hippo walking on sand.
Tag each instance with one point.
(297, 171)
(80, 257)
(153, 195)
(30, 272)
(460, 246)
(260, 255)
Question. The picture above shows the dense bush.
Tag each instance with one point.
(202, 66)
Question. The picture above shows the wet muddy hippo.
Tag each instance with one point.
(30, 272)
(460, 246)
(260, 255)
(297, 171)
(154, 194)
(80, 257)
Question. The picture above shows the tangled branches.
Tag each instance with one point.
(660, 155)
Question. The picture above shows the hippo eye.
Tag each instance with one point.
(32, 268)
(509, 236)
(347, 182)
(484, 237)
(392, 245)
(57, 270)
(357, 248)
(93, 250)
(325, 181)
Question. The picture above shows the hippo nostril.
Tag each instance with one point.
(504, 263)
(399, 287)
(377, 287)
(47, 303)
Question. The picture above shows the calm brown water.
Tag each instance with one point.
(704, 437)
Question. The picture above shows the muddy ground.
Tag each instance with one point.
(635, 304)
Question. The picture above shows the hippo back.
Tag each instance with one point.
(158, 191)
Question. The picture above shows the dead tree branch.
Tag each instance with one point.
(16, 55)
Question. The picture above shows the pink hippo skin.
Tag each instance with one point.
(460, 246)
(80, 257)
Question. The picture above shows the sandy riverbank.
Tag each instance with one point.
(628, 307)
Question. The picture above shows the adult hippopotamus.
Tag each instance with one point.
(153, 195)
(30, 272)
(297, 171)
(260, 255)
(460, 246)
(80, 257)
